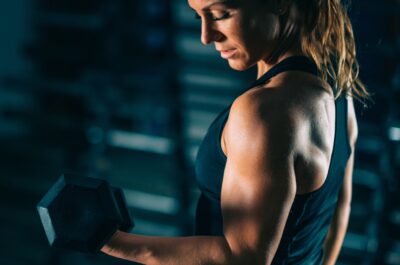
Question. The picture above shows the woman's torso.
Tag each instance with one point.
(321, 157)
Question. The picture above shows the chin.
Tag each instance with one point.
(238, 65)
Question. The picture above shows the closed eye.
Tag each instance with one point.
(214, 18)
(224, 16)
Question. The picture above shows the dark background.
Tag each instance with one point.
(124, 90)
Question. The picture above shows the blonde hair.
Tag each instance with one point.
(326, 35)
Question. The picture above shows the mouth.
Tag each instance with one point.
(226, 54)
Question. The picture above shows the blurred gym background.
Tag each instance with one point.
(124, 90)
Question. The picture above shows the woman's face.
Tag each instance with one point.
(243, 31)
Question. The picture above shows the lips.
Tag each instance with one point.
(226, 54)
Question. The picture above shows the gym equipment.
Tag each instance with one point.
(82, 213)
(127, 221)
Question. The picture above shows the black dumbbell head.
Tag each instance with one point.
(79, 213)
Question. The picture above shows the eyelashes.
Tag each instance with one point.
(226, 15)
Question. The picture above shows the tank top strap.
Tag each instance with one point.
(293, 63)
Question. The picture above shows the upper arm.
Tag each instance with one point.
(346, 191)
(259, 182)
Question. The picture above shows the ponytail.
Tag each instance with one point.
(326, 35)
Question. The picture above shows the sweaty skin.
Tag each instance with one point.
(278, 141)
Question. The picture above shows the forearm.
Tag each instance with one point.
(336, 234)
(175, 251)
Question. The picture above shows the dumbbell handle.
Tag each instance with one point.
(127, 221)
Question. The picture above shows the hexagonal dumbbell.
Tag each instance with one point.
(81, 213)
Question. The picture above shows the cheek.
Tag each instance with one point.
(235, 32)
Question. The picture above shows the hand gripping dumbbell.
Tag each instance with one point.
(81, 213)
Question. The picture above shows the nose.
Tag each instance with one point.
(209, 33)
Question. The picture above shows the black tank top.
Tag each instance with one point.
(310, 215)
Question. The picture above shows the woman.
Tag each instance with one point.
(275, 167)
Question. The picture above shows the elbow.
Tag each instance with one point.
(248, 259)
(233, 257)
(245, 257)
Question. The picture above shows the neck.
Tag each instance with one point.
(265, 65)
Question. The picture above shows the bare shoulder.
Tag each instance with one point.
(293, 120)
(260, 104)
(286, 107)
(262, 114)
